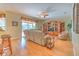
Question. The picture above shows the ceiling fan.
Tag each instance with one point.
(45, 12)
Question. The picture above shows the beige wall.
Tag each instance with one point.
(15, 31)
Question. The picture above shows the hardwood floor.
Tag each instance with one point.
(62, 48)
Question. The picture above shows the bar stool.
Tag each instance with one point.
(6, 44)
(1, 50)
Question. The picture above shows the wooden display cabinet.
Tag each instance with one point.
(54, 27)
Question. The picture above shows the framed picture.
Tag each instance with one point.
(14, 23)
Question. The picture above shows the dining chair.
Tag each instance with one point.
(6, 45)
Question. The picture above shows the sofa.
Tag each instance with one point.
(36, 36)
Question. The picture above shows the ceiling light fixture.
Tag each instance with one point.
(43, 14)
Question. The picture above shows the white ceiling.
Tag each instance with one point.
(31, 9)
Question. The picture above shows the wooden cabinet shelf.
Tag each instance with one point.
(54, 27)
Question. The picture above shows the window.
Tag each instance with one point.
(2, 23)
(28, 25)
